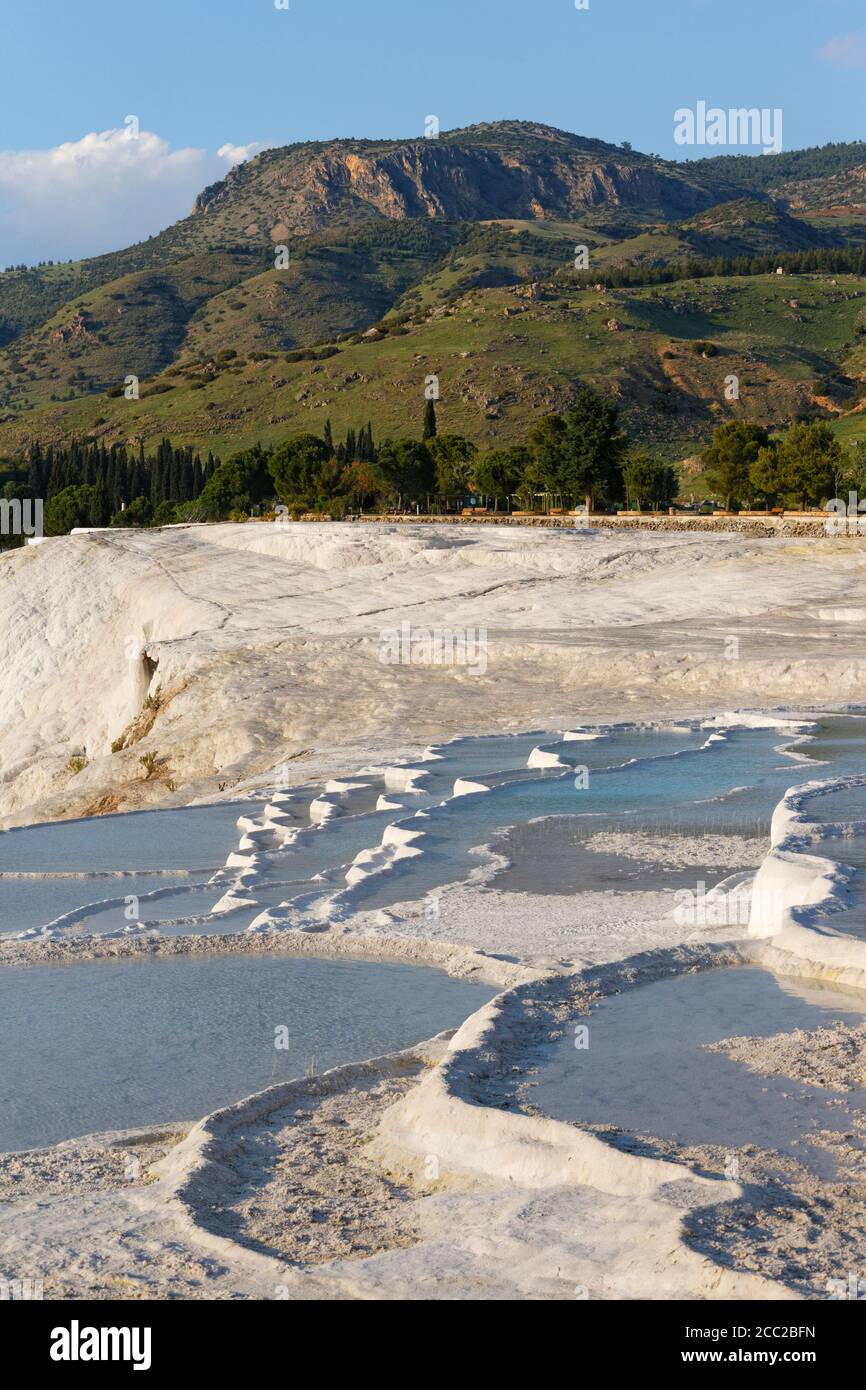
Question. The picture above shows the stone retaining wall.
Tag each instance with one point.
(770, 526)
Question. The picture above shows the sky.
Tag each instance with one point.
(204, 83)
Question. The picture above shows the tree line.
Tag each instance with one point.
(90, 484)
(816, 261)
(805, 467)
(582, 457)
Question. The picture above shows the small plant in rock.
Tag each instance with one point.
(76, 764)
(150, 763)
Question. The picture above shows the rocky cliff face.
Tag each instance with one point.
(309, 187)
(842, 190)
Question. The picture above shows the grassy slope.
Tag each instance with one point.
(498, 374)
(133, 325)
(28, 297)
(244, 208)
(333, 284)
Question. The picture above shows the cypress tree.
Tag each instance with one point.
(186, 481)
(35, 470)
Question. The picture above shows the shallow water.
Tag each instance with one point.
(646, 1073)
(173, 1039)
(551, 857)
(674, 780)
(31, 902)
(840, 738)
(190, 838)
(680, 787)
(845, 804)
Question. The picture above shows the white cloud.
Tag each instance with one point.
(99, 193)
(239, 154)
(847, 52)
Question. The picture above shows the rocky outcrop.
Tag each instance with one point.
(77, 327)
(457, 177)
(846, 189)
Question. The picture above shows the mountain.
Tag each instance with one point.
(510, 169)
(415, 243)
(810, 178)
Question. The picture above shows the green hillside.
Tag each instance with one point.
(135, 324)
(504, 360)
(454, 257)
(770, 173)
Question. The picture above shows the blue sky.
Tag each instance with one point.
(203, 75)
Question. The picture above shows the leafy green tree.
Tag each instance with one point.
(648, 480)
(546, 444)
(858, 455)
(363, 483)
(855, 469)
(138, 513)
(20, 490)
(74, 506)
(581, 455)
(407, 469)
(454, 458)
(811, 463)
(729, 459)
(500, 472)
(165, 514)
(332, 481)
(238, 485)
(297, 468)
(765, 476)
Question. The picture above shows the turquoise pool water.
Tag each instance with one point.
(645, 1070)
(111, 1045)
(675, 780)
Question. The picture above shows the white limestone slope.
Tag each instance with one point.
(262, 643)
(799, 888)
